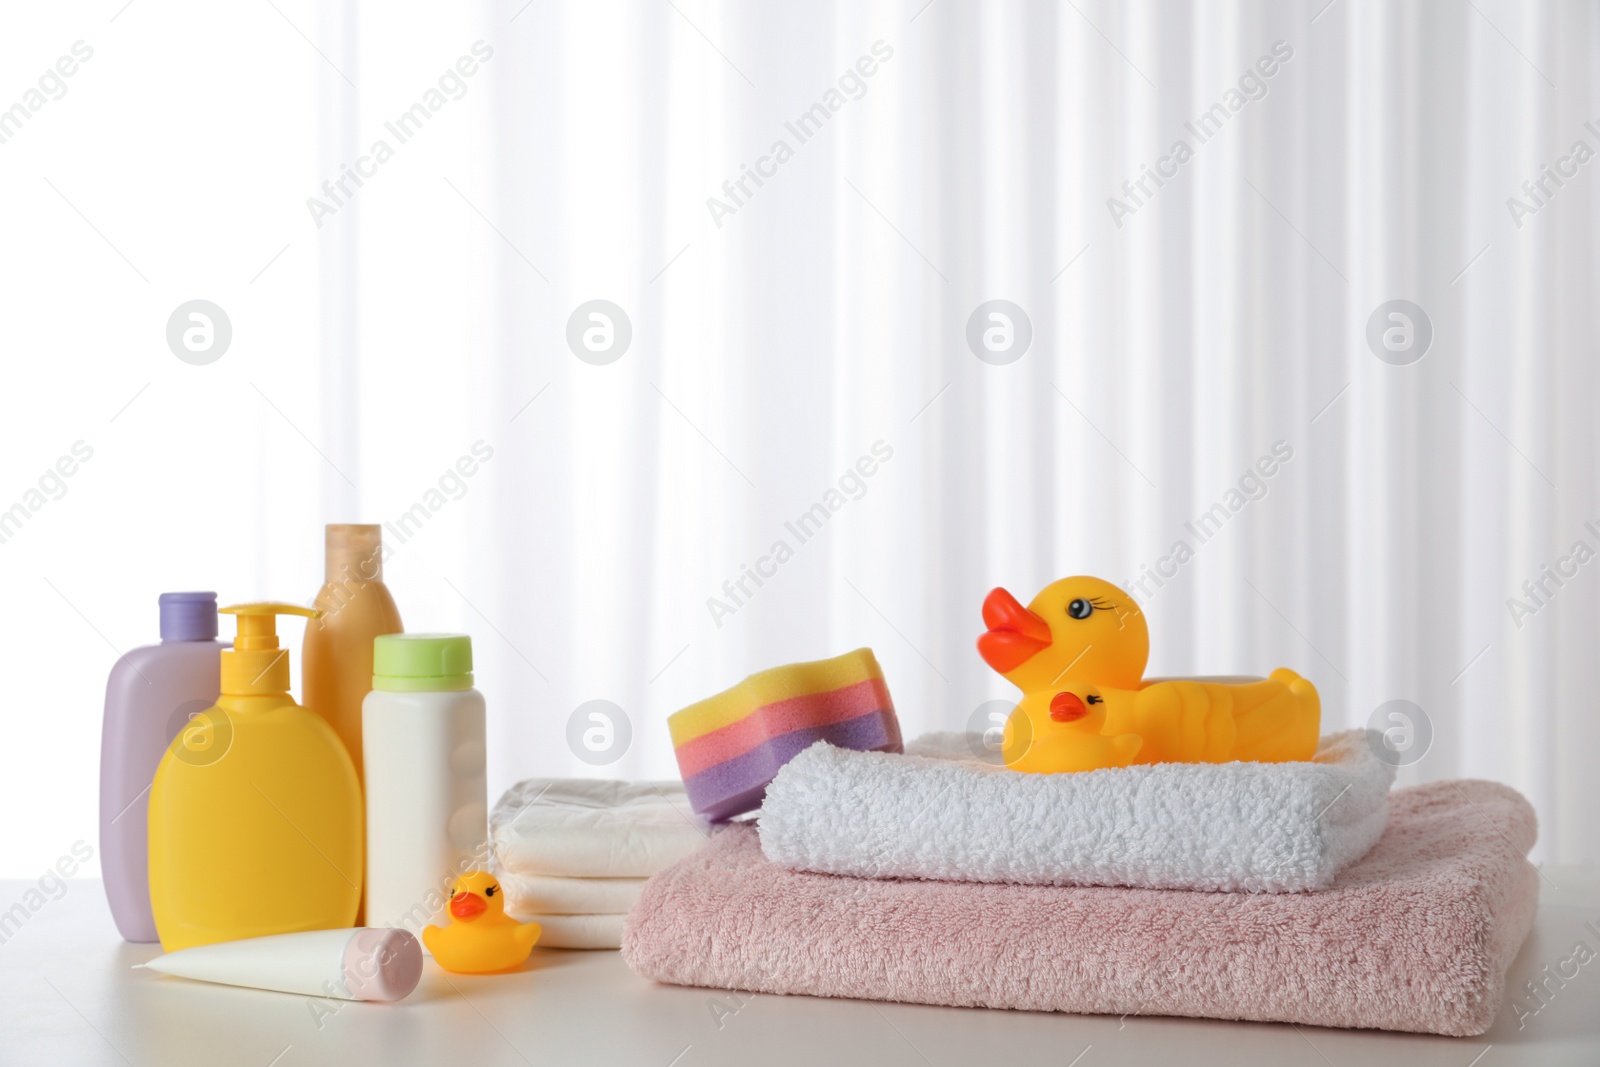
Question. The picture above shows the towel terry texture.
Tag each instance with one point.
(937, 812)
(592, 828)
(1415, 936)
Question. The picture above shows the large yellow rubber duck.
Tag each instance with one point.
(1087, 639)
(481, 937)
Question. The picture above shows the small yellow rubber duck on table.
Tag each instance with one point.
(1078, 653)
(481, 937)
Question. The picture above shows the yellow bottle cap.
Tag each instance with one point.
(256, 666)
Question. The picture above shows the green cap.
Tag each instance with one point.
(421, 663)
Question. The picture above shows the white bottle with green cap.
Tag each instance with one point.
(426, 790)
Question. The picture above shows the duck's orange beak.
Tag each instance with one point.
(1067, 707)
(467, 906)
(1015, 633)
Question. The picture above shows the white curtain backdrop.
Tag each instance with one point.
(780, 332)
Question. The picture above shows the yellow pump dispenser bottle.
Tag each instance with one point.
(255, 812)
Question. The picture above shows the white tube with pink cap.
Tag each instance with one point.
(365, 963)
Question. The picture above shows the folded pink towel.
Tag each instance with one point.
(1415, 936)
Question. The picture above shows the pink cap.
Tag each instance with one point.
(382, 964)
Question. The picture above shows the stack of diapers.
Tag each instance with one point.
(572, 854)
(1291, 892)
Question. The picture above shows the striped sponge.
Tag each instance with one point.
(731, 745)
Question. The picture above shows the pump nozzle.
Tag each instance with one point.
(256, 665)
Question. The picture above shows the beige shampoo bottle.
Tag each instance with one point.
(336, 662)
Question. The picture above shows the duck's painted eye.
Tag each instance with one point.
(490, 891)
(1080, 608)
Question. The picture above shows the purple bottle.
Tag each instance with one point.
(151, 693)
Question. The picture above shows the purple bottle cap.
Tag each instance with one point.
(188, 616)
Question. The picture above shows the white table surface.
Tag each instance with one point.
(69, 996)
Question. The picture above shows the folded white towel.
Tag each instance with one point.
(543, 894)
(937, 813)
(593, 828)
(577, 931)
